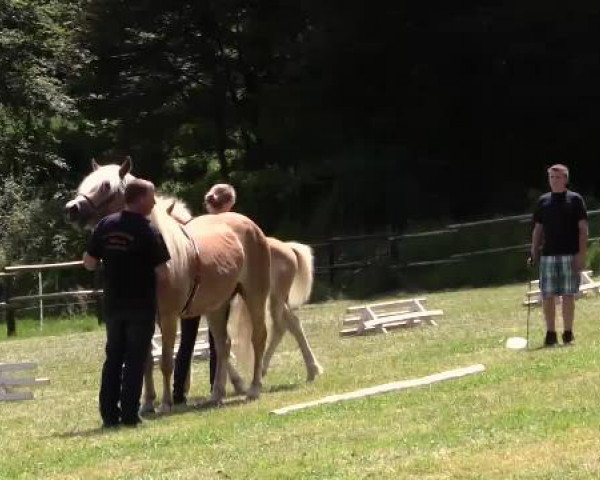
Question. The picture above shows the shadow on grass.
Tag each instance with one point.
(92, 432)
(194, 404)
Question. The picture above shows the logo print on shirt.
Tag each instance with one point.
(118, 241)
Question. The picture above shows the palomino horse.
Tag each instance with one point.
(291, 286)
(211, 260)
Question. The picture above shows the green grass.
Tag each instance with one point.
(30, 327)
(531, 414)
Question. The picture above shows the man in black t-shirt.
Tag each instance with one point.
(559, 241)
(134, 256)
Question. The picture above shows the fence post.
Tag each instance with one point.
(331, 250)
(11, 326)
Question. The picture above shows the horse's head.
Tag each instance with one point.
(99, 194)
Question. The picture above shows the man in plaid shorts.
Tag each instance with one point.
(560, 235)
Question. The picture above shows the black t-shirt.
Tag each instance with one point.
(559, 214)
(130, 248)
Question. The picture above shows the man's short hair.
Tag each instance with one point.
(136, 189)
(559, 167)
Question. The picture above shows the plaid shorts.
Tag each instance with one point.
(557, 275)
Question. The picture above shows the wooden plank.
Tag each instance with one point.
(355, 319)
(201, 347)
(74, 293)
(434, 262)
(15, 396)
(42, 266)
(401, 317)
(512, 218)
(15, 382)
(381, 328)
(487, 251)
(431, 233)
(385, 304)
(587, 283)
(13, 367)
(401, 321)
(385, 388)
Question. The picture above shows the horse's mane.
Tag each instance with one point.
(170, 228)
(174, 207)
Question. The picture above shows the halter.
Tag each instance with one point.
(104, 202)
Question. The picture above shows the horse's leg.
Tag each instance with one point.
(183, 359)
(277, 331)
(256, 302)
(295, 327)
(149, 390)
(217, 323)
(236, 379)
(169, 332)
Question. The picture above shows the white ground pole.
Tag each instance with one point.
(387, 387)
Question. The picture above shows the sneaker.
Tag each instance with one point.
(550, 339)
(132, 422)
(567, 337)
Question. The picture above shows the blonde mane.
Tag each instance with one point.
(107, 173)
(170, 228)
(175, 208)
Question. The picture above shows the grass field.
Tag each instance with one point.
(531, 414)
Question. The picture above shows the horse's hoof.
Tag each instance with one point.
(165, 408)
(313, 372)
(253, 393)
(147, 408)
(239, 388)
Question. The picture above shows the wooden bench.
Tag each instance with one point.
(10, 385)
(587, 284)
(379, 317)
(201, 347)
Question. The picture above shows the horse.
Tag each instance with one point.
(291, 286)
(212, 259)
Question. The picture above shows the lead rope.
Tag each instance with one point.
(194, 288)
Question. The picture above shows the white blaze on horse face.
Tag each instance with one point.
(98, 195)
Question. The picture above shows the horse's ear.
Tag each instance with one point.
(95, 165)
(125, 167)
(171, 207)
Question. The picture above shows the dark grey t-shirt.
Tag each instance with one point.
(130, 248)
(559, 214)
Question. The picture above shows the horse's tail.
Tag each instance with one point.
(239, 329)
(303, 280)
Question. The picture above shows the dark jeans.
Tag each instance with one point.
(128, 338)
(183, 360)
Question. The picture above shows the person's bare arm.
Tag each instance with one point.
(90, 263)
(583, 241)
(536, 243)
(162, 273)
